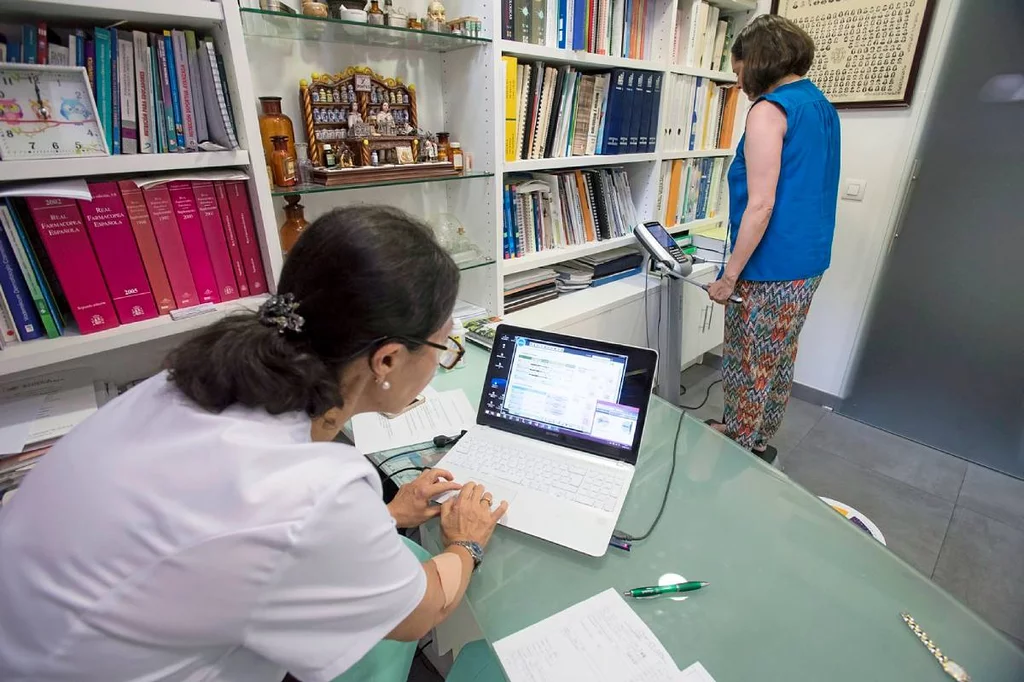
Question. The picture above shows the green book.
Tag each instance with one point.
(30, 271)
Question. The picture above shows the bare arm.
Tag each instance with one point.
(766, 128)
(466, 517)
(431, 609)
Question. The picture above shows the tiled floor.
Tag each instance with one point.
(957, 522)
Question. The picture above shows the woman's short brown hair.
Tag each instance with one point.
(771, 47)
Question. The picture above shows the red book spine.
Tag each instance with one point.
(241, 214)
(148, 248)
(216, 243)
(232, 238)
(118, 256)
(161, 213)
(187, 213)
(63, 233)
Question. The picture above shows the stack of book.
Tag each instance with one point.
(525, 289)
(692, 189)
(128, 254)
(700, 114)
(481, 331)
(703, 36)
(573, 276)
(611, 266)
(619, 28)
(709, 245)
(550, 211)
(556, 111)
(155, 92)
(35, 413)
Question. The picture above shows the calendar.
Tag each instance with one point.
(48, 112)
(866, 52)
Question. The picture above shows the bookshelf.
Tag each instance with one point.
(155, 13)
(126, 164)
(470, 76)
(127, 344)
(72, 347)
(460, 83)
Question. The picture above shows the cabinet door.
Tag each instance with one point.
(714, 329)
(697, 317)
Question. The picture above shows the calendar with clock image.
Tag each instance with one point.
(47, 112)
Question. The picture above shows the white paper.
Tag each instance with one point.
(16, 417)
(155, 180)
(695, 673)
(445, 413)
(61, 402)
(65, 189)
(598, 640)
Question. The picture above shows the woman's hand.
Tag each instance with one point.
(412, 506)
(721, 290)
(468, 517)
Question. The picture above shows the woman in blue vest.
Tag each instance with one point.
(783, 187)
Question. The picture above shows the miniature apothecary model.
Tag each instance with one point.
(369, 123)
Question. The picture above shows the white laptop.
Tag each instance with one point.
(557, 433)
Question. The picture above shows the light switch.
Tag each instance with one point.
(853, 190)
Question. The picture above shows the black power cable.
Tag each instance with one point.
(671, 471)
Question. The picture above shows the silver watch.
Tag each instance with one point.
(474, 549)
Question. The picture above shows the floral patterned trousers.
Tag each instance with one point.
(760, 350)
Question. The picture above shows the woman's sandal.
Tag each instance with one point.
(769, 453)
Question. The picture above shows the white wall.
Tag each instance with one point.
(877, 147)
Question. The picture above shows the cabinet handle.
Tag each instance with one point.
(706, 324)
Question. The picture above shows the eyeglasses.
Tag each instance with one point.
(453, 351)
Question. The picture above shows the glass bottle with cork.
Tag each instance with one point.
(282, 163)
(274, 122)
(443, 147)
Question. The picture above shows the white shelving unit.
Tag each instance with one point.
(138, 345)
(470, 78)
(460, 86)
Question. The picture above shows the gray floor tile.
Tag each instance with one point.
(993, 494)
(981, 565)
(922, 467)
(800, 418)
(913, 522)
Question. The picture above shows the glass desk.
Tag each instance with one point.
(797, 592)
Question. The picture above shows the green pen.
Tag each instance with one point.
(639, 592)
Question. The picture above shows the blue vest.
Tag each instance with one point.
(798, 241)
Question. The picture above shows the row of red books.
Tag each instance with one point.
(133, 254)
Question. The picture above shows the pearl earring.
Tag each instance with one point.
(385, 385)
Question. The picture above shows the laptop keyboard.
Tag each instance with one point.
(591, 486)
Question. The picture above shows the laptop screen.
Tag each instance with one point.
(585, 394)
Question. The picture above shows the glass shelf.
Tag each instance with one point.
(475, 263)
(264, 24)
(317, 189)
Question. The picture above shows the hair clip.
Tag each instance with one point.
(279, 311)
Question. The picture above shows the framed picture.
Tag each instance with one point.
(405, 154)
(867, 52)
(47, 112)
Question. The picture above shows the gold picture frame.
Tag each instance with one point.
(867, 52)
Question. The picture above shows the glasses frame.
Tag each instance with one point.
(460, 351)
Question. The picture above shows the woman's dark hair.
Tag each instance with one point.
(358, 275)
(771, 47)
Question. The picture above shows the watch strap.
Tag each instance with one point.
(474, 549)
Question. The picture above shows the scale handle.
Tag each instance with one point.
(735, 298)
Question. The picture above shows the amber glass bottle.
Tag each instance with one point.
(282, 163)
(294, 224)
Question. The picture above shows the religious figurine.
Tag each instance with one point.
(435, 11)
(354, 118)
(385, 121)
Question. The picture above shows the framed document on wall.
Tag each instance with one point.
(867, 52)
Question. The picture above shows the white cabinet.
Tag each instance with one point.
(703, 319)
